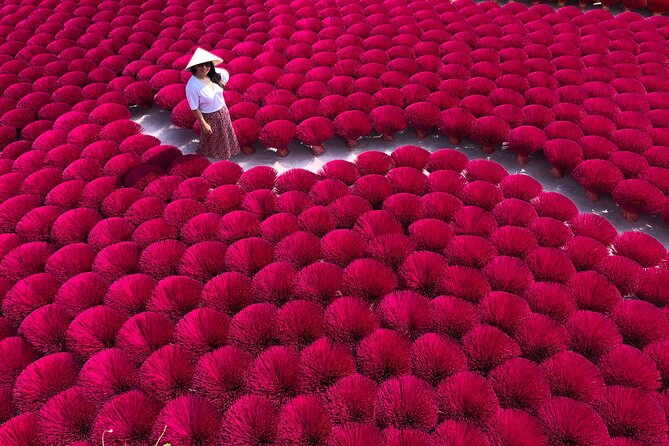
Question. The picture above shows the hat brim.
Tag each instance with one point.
(215, 61)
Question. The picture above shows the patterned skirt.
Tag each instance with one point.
(222, 142)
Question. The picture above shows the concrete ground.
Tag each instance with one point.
(157, 123)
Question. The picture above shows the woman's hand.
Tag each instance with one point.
(206, 128)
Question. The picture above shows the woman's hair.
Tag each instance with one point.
(212, 74)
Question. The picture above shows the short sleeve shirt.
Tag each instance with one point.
(206, 97)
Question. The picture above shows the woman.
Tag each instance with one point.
(204, 92)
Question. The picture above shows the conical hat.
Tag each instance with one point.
(201, 56)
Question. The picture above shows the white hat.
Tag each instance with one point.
(202, 56)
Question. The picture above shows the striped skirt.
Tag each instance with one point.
(222, 142)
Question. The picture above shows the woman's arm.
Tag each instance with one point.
(203, 124)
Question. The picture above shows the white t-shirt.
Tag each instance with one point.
(208, 98)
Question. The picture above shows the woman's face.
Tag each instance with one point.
(202, 69)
